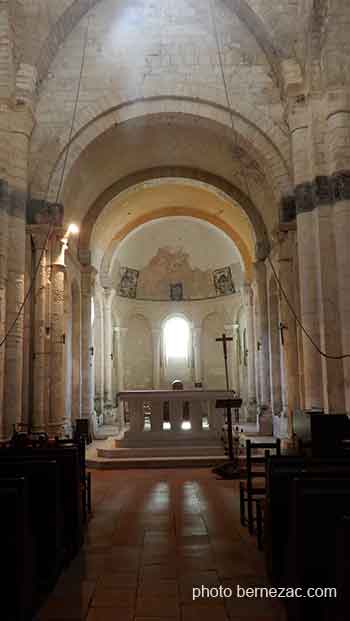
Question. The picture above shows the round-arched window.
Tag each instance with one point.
(177, 339)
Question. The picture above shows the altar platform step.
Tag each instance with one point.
(161, 452)
(105, 455)
(155, 462)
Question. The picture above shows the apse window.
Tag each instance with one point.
(177, 339)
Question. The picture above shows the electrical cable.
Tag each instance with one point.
(322, 353)
(58, 193)
(244, 175)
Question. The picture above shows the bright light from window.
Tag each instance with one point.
(186, 425)
(177, 335)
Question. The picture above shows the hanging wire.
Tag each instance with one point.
(245, 177)
(58, 193)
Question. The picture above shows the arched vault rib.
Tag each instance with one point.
(233, 193)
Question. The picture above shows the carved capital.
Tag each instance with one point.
(341, 185)
(304, 197)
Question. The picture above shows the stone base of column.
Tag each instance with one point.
(57, 429)
(109, 414)
(251, 409)
(265, 421)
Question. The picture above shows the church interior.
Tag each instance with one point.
(175, 310)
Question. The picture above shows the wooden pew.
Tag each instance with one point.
(318, 505)
(69, 467)
(253, 486)
(44, 512)
(17, 552)
(281, 471)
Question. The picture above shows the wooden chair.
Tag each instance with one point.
(249, 488)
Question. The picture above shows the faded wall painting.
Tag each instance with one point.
(223, 281)
(128, 282)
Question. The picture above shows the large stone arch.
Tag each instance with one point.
(254, 133)
(233, 193)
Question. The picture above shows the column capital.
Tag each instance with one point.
(39, 235)
(108, 294)
(228, 329)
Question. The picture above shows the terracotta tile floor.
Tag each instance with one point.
(155, 535)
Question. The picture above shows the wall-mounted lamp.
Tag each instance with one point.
(73, 229)
(91, 350)
(112, 357)
(63, 339)
(258, 345)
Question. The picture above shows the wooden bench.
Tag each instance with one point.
(254, 484)
(17, 552)
(69, 467)
(281, 472)
(44, 512)
(318, 505)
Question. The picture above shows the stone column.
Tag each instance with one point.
(121, 334)
(196, 416)
(338, 139)
(302, 140)
(56, 423)
(156, 338)
(4, 209)
(108, 348)
(99, 356)
(39, 238)
(330, 338)
(248, 304)
(157, 415)
(136, 415)
(288, 274)
(176, 414)
(87, 352)
(121, 338)
(263, 333)
(197, 337)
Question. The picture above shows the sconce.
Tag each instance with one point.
(258, 345)
(63, 339)
(91, 350)
(112, 357)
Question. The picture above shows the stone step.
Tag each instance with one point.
(207, 461)
(161, 451)
(161, 439)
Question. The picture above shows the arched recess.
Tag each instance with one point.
(275, 348)
(213, 363)
(245, 254)
(203, 177)
(138, 372)
(76, 351)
